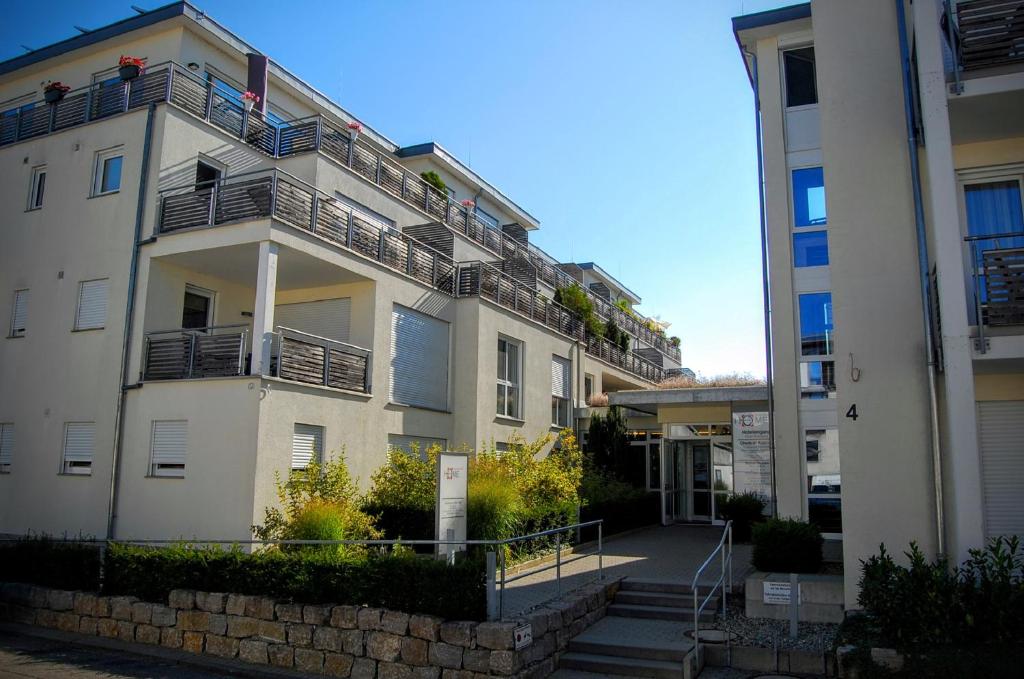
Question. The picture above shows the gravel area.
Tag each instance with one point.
(768, 633)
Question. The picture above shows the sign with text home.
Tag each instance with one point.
(452, 487)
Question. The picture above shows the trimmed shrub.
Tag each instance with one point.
(410, 584)
(48, 562)
(744, 510)
(402, 495)
(787, 546)
(622, 514)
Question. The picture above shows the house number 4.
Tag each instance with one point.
(852, 412)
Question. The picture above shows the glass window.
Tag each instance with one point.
(37, 188)
(197, 308)
(816, 324)
(810, 248)
(486, 218)
(107, 172)
(993, 208)
(809, 196)
(801, 85)
(654, 466)
(508, 378)
(824, 489)
(818, 379)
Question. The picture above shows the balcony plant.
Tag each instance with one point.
(354, 128)
(675, 341)
(55, 91)
(129, 67)
(435, 180)
(250, 99)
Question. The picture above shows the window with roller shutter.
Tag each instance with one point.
(92, 304)
(419, 360)
(561, 390)
(307, 445)
(168, 447)
(1000, 432)
(79, 439)
(19, 313)
(6, 447)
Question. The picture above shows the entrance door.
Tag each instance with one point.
(700, 496)
(673, 454)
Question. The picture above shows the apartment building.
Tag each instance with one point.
(892, 156)
(202, 295)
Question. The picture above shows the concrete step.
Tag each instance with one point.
(663, 586)
(627, 650)
(658, 612)
(643, 598)
(630, 667)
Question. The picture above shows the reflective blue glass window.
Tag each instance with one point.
(993, 208)
(810, 248)
(809, 196)
(816, 324)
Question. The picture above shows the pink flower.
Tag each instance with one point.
(467, 203)
(130, 61)
(251, 96)
(355, 127)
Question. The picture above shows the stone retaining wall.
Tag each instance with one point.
(338, 641)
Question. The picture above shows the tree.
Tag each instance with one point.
(609, 445)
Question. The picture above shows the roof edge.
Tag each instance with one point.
(770, 17)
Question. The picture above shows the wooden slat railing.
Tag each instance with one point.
(991, 32)
(216, 351)
(309, 359)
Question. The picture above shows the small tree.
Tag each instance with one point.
(435, 180)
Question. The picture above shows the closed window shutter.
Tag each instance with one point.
(324, 318)
(561, 379)
(92, 305)
(170, 442)
(307, 445)
(419, 359)
(6, 446)
(78, 446)
(20, 314)
(1001, 430)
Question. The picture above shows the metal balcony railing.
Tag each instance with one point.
(277, 194)
(301, 357)
(998, 275)
(215, 351)
(986, 32)
(627, 360)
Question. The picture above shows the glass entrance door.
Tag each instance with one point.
(700, 474)
(672, 490)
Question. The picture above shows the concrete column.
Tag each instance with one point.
(263, 315)
(961, 462)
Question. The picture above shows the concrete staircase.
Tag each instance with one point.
(659, 601)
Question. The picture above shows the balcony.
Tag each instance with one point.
(998, 283)
(991, 33)
(277, 194)
(627, 360)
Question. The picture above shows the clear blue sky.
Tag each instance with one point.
(624, 127)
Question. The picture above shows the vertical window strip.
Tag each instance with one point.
(92, 304)
(6, 446)
(19, 314)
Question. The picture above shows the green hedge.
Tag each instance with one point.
(404, 583)
(50, 563)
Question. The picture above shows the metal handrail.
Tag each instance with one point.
(724, 581)
(172, 331)
(976, 275)
(326, 340)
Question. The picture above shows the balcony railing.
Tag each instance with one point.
(998, 274)
(216, 351)
(989, 33)
(277, 194)
(309, 359)
(627, 360)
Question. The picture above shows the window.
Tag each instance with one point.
(818, 379)
(207, 174)
(19, 313)
(509, 388)
(654, 466)
(801, 85)
(92, 304)
(824, 505)
(415, 445)
(78, 447)
(197, 309)
(993, 208)
(561, 391)
(167, 448)
(37, 188)
(6, 446)
(419, 359)
(816, 329)
(809, 196)
(810, 248)
(107, 177)
(307, 445)
(486, 218)
(588, 387)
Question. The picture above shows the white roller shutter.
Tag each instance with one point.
(561, 377)
(324, 318)
(1001, 430)
(307, 445)
(79, 438)
(169, 444)
(92, 304)
(6, 446)
(419, 359)
(19, 316)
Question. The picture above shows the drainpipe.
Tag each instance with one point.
(922, 262)
(140, 209)
(765, 288)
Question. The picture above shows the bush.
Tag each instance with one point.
(434, 179)
(402, 495)
(410, 584)
(319, 520)
(575, 299)
(744, 510)
(787, 546)
(494, 510)
(48, 562)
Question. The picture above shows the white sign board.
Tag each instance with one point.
(752, 465)
(779, 593)
(452, 480)
(524, 636)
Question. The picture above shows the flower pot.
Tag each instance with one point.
(129, 72)
(248, 104)
(53, 96)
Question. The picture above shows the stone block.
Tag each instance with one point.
(38, 597)
(107, 627)
(142, 612)
(121, 607)
(415, 651)
(281, 655)
(316, 615)
(345, 617)
(538, 621)
(85, 603)
(338, 664)
(289, 612)
(222, 647)
(504, 662)
(498, 636)
(309, 660)
(125, 630)
(170, 637)
(272, 631)
(364, 668)
(562, 639)
(577, 627)
(88, 625)
(67, 621)
(192, 641)
(300, 635)
(327, 639)
(260, 607)
(368, 618)
(182, 599)
(218, 624)
(579, 607)
(235, 604)
(193, 620)
(46, 618)
(60, 600)
(477, 660)
(211, 602)
(458, 633)
(426, 673)
(458, 674)
(390, 670)
(384, 646)
(425, 627)
(353, 641)
(240, 626)
(164, 616)
(147, 634)
(445, 655)
(253, 651)
(395, 622)
(102, 607)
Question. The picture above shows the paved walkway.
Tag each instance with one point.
(667, 553)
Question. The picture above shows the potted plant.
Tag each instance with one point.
(250, 99)
(55, 91)
(129, 67)
(354, 128)
(468, 204)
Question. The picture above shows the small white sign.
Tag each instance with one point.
(779, 593)
(524, 636)
(452, 481)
